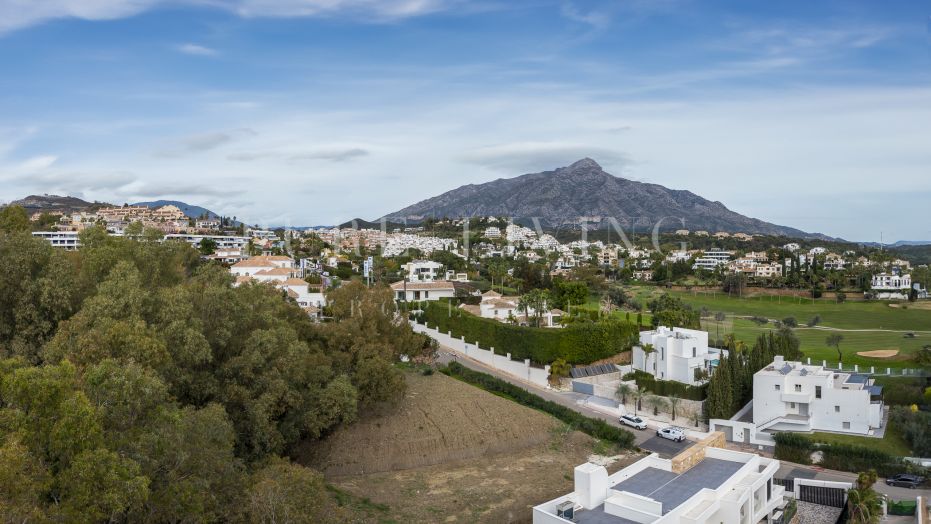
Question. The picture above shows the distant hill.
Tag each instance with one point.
(46, 203)
(560, 197)
(188, 209)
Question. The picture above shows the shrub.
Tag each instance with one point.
(577, 343)
(666, 388)
(795, 447)
(902, 507)
(595, 427)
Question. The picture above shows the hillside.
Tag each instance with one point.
(584, 189)
(188, 209)
(64, 204)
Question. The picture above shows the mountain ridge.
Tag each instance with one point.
(562, 196)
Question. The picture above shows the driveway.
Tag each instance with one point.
(665, 447)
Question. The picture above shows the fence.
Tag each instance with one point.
(520, 369)
(872, 370)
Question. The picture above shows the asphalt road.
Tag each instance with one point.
(647, 439)
(568, 399)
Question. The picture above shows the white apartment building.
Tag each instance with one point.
(723, 487)
(711, 259)
(493, 232)
(677, 354)
(417, 291)
(422, 270)
(222, 241)
(791, 396)
(67, 240)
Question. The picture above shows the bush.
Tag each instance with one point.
(902, 507)
(795, 447)
(577, 343)
(595, 427)
(666, 388)
(902, 391)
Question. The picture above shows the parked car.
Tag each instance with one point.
(905, 480)
(633, 421)
(671, 433)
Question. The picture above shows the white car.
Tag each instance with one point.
(634, 422)
(671, 433)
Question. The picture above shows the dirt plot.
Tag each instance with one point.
(454, 453)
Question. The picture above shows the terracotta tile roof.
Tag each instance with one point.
(491, 294)
(277, 271)
(294, 281)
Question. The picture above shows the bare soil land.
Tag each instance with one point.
(454, 453)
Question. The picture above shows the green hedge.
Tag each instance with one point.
(577, 343)
(595, 427)
(798, 448)
(666, 388)
(902, 507)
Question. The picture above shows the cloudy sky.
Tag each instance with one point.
(815, 115)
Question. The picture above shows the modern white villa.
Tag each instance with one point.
(716, 485)
(422, 270)
(791, 396)
(417, 291)
(502, 308)
(892, 285)
(678, 354)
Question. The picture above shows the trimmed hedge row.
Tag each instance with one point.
(595, 427)
(577, 343)
(902, 507)
(798, 448)
(666, 388)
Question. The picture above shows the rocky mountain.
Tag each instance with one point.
(45, 203)
(560, 197)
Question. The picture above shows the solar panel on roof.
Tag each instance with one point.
(803, 372)
(786, 369)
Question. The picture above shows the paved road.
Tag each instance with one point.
(571, 400)
(647, 439)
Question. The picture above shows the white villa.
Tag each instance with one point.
(677, 354)
(716, 485)
(423, 290)
(280, 272)
(67, 240)
(790, 396)
(422, 270)
(711, 259)
(496, 306)
(891, 285)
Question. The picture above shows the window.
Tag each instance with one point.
(846, 425)
(792, 405)
(817, 391)
(694, 352)
(798, 387)
(777, 387)
(836, 409)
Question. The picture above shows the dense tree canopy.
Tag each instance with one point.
(138, 384)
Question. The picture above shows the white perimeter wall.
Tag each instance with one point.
(518, 368)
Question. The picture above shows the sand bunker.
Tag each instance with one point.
(879, 353)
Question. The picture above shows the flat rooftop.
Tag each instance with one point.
(666, 487)
(672, 489)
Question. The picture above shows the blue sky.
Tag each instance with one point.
(815, 115)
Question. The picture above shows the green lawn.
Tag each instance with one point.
(885, 327)
(892, 442)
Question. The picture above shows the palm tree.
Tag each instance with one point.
(638, 398)
(657, 403)
(863, 503)
(647, 350)
(673, 403)
(622, 391)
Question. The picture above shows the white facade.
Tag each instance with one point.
(677, 354)
(417, 291)
(222, 241)
(67, 240)
(422, 270)
(712, 259)
(891, 282)
(791, 396)
(725, 487)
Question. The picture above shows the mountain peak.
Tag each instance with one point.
(585, 163)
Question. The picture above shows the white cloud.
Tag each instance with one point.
(38, 163)
(196, 50)
(18, 14)
(202, 142)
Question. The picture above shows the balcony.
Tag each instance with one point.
(799, 397)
